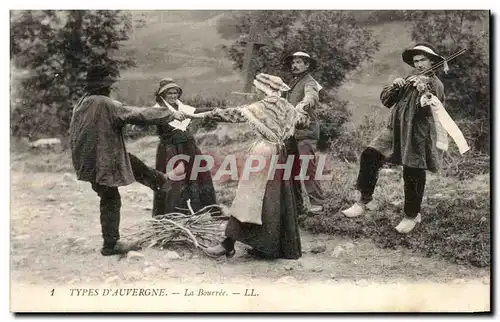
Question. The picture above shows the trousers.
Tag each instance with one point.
(414, 181)
(110, 199)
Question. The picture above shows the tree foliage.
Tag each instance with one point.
(467, 84)
(334, 38)
(55, 48)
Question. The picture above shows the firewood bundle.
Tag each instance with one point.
(200, 229)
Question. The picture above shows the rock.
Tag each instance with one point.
(165, 266)
(68, 177)
(133, 255)
(362, 282)
(171, 255)
(151, 270)
(321, 248)
(288, 267)
(486, 280)
(458, 281)
(333, 277)
(397, 203)
(73, 281)
(337, 251)
(286, 280)
(317, 269)
(50, 144)
(112, 280)
(133, 276)
(348, 246)
(50, 198)
(372, 205)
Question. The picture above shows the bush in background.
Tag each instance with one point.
(56, 47)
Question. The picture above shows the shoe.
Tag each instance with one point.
(407, 224)
(356, 210)
(359, 208)
(218, 251)
(120, 248)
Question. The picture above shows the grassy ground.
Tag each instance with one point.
(46, 198)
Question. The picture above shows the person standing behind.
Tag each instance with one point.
(99, 155)
(304, 95)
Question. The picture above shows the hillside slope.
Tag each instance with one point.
(185, 45)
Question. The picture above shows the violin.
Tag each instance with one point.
(425, 79)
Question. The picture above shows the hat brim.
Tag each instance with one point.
(410, 53)
(169, 86)
(313, 63)
(92, 84)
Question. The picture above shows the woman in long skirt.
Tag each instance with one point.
(174, 142)
(264, 211)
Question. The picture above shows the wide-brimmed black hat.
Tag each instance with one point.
(421, 49)
(312, 62)
(100, 76)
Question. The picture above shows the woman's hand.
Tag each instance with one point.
(179, 115)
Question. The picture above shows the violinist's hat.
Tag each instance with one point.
(423, 49)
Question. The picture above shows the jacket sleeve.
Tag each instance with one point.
(203, 109)
(311, 95)
(140, 115)
(390, 95)
(229, 115)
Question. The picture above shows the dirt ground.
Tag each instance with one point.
(55, 239)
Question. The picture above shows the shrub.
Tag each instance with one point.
(353, 138)
(332, 113)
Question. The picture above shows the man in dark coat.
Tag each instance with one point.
(99, 155)
(408, 140)
(304, 94)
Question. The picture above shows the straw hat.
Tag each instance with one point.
(421, 49)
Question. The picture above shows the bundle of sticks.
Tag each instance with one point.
(200, 229)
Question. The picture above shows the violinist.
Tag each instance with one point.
(409, 139)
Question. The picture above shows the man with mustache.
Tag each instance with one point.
(408, 140)
(304, 95)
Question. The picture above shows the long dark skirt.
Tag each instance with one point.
(201, 190)
(278, 236)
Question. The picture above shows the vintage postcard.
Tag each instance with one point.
(250, 161)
